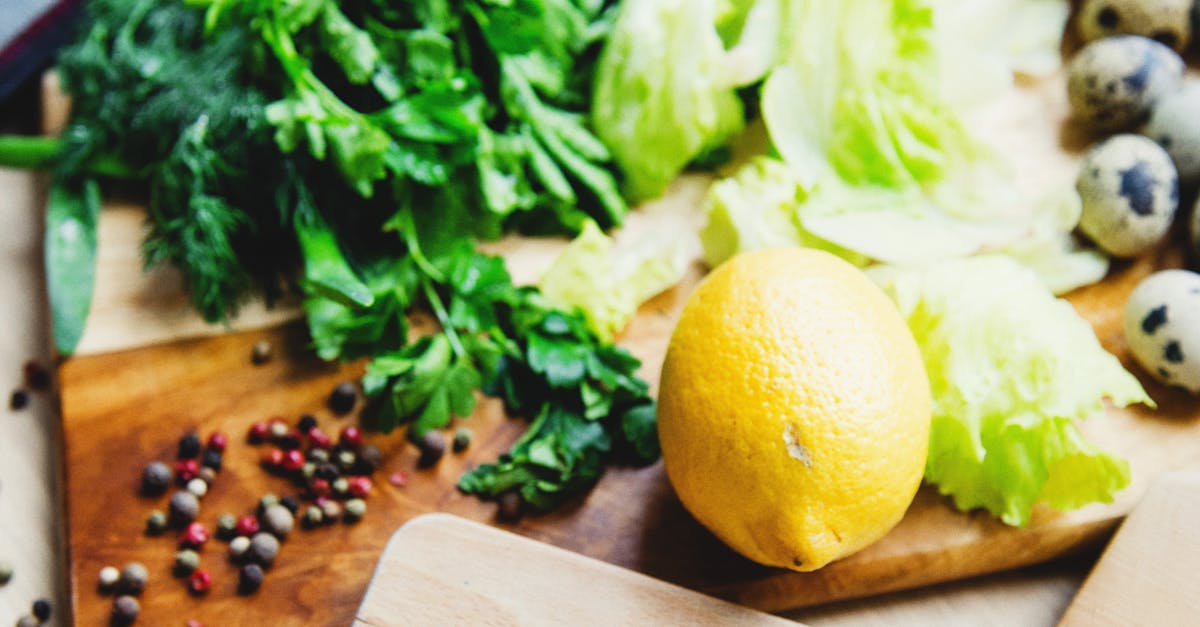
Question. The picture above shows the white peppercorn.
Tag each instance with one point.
(355, 510)
(313, 517)
(266, 501)
(186, 561)
(156, 523)
(109, 576)
(331, 510)
(226, 526)
(238, 547)
(198, 487)
(263, 549)
(340, 486)
(27, 621)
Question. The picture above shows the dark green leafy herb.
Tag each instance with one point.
(365, 144)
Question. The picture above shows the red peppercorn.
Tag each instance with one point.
(194, 535)
(273, 458)
(193, 623)
(200, 581)
(360, 486)
(217, 441)
(319, 439)
(186, 470)
(351, 437)
(398, 479)
(319, 488)
(258, 432)
(246, 526)
(293, 460)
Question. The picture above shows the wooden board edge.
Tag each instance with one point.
(455, 591)
(787, 590)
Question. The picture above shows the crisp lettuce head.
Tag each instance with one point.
(609, 287)
(665, 86)
(1012, 370)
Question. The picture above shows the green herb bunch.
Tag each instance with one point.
(365, 146)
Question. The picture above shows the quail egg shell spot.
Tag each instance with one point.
(1162, 327)
(1112, 83)
(1167, 21)
(1130, 194)
(1175, 124)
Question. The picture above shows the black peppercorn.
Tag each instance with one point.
(155, 478)
(41, 609)
(125, 610)
(18, 400)
(511, 506)
(370, 458)
(189, 446)
(133, 578)
(212, 459)
(307, 422)
(342, 398)
(433, 446)
(183, 507)
(328, 471)
(250, 578)
(290, 503)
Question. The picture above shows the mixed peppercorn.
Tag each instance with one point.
(332, 476)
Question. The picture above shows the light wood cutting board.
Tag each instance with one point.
(442, 569)
(129, 398)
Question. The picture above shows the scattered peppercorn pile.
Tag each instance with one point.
(333, 480)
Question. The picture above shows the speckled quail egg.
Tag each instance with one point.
(1175, 125)
(1130, 193)
(1168, 21)
(1162, 327)
(1112, 83)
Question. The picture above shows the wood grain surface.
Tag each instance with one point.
(123, 409)
(442, 569)
(1147, 575)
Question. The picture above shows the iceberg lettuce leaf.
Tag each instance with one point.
(608, 285)
(1012, 370)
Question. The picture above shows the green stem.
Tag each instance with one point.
(439, 310)
(33, 152)
(28, 152)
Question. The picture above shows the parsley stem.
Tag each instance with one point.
(439, 310)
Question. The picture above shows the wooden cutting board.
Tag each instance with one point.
(1147, 575)
(442, 569)
(141, 385)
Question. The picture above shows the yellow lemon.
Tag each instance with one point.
(794, 408)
